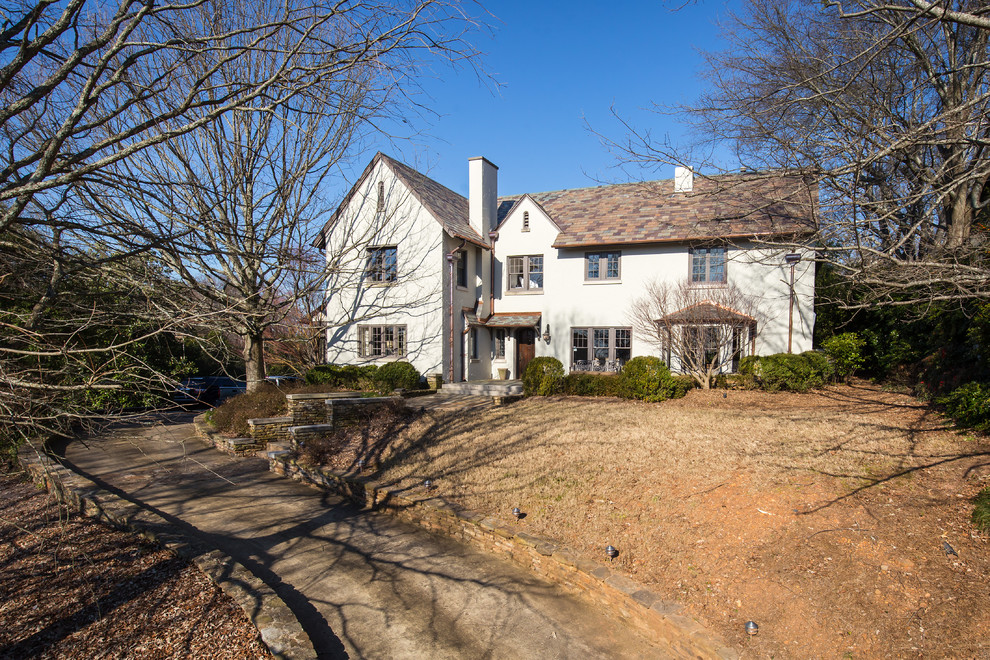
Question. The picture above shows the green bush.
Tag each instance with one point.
(795, 373)
(681, 385)
(969, 405)
(346, 377)
(820, 364)
(395, 375)
(846, 353)
(748, 364)
(592, 385)
(544, 376)
(981, 512)
(647, 378)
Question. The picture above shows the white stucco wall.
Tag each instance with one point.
(415, 300)
(568, 301)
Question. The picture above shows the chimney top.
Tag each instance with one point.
(683, 179)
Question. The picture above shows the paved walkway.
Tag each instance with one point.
(362, 584)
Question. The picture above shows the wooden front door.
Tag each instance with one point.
(525, 349)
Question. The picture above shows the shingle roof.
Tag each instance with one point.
(727, 206)
(449, 208)
(510, 320)
(706, 311)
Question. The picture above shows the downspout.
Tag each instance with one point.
(450, 309)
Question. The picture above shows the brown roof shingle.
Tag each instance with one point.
(727, 206)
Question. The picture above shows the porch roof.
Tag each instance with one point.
(512, 320)
(707, 312)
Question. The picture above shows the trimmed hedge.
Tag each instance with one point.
(544, 376)
(790, 372)
(347, 377)
(395, 375)
(981, 510)
(592, 385)
(647, 378)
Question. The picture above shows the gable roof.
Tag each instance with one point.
(446, 206)
(707, 311)
(727, 206)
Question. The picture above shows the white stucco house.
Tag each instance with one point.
(474, 288)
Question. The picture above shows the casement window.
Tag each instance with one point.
(462, 273)
(601, 266)
(526, 273)
(383, 264)
(498, 341)
(382, 341)
(600, 349)
(702, 343)
(473, 343)
(525, 224)
(708, 265)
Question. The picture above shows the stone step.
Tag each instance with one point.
(483, 388)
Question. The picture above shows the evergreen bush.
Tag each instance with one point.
(846, 353)
(544, 376)
(395, 375)
(969, 405)
(794, 373)
(647, 378)
(592, 385)
(347, 377)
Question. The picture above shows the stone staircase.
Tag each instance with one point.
(493, 388)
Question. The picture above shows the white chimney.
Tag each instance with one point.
(683, 179)
(482, 195)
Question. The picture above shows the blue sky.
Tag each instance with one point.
(560, 67)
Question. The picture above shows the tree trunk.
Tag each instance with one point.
(254, 360)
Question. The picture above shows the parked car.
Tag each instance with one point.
(196, 391)
(227, 386)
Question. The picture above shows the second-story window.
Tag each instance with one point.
(383, 264)
(708, 265)
(601, 266)
(526, 273)
(462, 275)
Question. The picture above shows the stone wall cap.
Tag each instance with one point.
(309, 396)
(310, 427)
(261, 421)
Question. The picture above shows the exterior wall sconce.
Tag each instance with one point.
(546, 334)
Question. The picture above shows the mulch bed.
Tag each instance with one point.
(75, 588)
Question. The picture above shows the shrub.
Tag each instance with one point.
(785, 371)
(747, 365)
(230, 418)
(846, 353)
(543, 377)
(647, 378)
(394, 375)
(681, 385)
(820, 365)
(348, 377)
(592, 385)
(981, 512)
(969, 405)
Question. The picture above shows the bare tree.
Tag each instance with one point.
(100, 98)
(701, 331)
(885, 104)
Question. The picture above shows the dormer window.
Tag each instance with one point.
(525, 226)
(381, 197)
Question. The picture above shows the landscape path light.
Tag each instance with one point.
(611, 552)
(752, 628)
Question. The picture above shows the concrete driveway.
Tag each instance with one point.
(361, 584)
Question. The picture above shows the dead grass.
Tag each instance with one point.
(789, 509)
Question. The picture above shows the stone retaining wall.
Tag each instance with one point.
(270, 429)
(326, 411)
(279, 628)
(661, 621)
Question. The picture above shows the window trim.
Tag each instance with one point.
(461, 268)
(525, 288)
(602, 272)
(379, 276)
(590, 342)
(400, 339)
(692, 251)
(473, 344)
(498, 344)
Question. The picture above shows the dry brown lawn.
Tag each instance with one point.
(821, 516)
